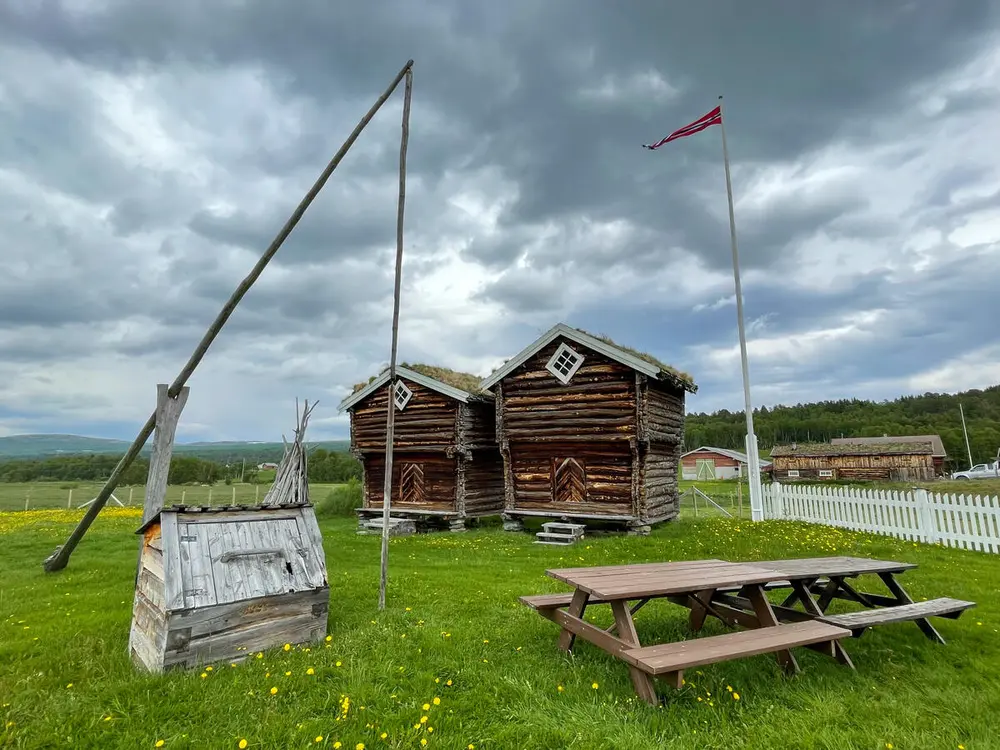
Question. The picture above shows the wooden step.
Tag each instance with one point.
(557, 535)
(570, 528)
(681, 655)
(859, 621)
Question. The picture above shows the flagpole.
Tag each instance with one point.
(753, 464)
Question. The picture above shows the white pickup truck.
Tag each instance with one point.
(979, 471)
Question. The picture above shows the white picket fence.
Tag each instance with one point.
(964, 521)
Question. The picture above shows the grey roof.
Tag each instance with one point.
(413, 376)
(735, 455)
(937, 446)
(592, 342)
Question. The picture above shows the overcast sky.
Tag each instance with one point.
(150, 151)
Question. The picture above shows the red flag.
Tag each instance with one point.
(712, 118)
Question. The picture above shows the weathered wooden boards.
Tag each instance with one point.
(215, 584)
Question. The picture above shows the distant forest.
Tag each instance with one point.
(324, 466)
(931, 413)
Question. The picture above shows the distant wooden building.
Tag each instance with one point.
(589, 429)
(894, 462)
(938, 453)
(446, 463)
(707, 463)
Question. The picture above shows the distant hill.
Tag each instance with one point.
(42, 446)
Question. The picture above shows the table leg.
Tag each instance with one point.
(802, 591)
(642, 682)
(700, 604)
(766, 618)
(903, 598)
(576, 608)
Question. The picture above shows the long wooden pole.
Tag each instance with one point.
(390, 412)
(58, 559)
(756, 504)
(966, 433)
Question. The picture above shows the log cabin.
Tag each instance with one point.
(891, 462)
(446, 465)
(938, 454)
(589, 430)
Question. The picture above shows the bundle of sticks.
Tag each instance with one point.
(291, 481)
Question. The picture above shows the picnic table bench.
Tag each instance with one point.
(735, 593)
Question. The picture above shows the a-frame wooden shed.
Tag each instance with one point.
(589, 429)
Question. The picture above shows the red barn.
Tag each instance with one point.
(707, 463)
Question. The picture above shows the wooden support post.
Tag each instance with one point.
(69, 500)
(387, 485)
(60, 557)
(130, 490)
(168, 412)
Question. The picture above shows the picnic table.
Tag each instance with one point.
(736, 594)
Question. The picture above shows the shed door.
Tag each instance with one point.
(569, 481)
(411, 483)
(229, 561)
(705, 469)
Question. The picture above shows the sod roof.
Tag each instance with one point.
(851, 449)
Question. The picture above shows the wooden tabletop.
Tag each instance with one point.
(814, 567)
(662, 579)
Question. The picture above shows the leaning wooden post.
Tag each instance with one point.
(168, 412)
(60, 557)
(389, 421)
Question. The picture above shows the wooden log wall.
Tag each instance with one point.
(484, 488)
(436, 478)
(598, 404)
(477, 425)
(607, 472)
(664, 412)
(428, 422)
(659, 499)
(890, 467)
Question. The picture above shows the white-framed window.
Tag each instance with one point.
(564, 363)
(793, 472)
(826, 473)
(401, 395)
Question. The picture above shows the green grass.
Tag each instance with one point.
(41, 495)
(453, 615)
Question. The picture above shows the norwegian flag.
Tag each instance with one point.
(712, 118)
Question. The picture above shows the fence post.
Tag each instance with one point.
(928, 527)
(777, 502)
(69, 500)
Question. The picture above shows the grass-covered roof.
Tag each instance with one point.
(851, 449)
(463, 381)
(663, 366)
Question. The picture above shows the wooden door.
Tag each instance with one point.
(411, 483)
(569, 481)
(706, 469)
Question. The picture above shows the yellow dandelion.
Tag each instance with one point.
(287, 647)
(69, 685)
(319, 738)
(310, 671)
(288, 674)
(437, 679)
(437, 701)
(430, 729)
(208, 669)
(423, 719)
(328, 639)
(260, 654)
(274, 691)
(426, 707)
(337, 745)
(159, 743)
(243, 744)
(448, 683)
(560, 688)
(360, 746)
(204, 675)
(736, 696)
(889, 744)
(384, 735)
(338, 663)
(471, 746)
(594, 686)
(423, 741)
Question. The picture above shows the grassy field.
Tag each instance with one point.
(455, 646)
(42, 495)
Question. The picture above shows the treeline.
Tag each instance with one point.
(324, 466)
(931, 413)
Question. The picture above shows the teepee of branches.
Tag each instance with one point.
(291, 481)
